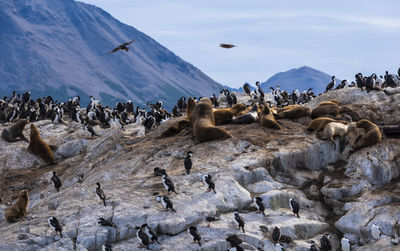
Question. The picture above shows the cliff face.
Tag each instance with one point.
(60, 48)
(338, 193)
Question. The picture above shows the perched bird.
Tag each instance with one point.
(168, 184)
(294, 206)
(106, 223)
(259, 205)
(326, 243)
(150, 233)
(55, 224)
(209, 219)
(56, 181)
(100, 193)
(188, 162)
(278, 247)
(142, 237)
(123, 46)
(239, 220)
(345, 244)
(331, 84)
(159, 171)
(195, 234)
(246, 88)
(207, 180)
(106, 247)
(375, 231)
(89, 129)
(167, 204)
(227, 46)
(276, 234)
(234, 241)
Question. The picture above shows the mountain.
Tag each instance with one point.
(59, 48)
(301, 78)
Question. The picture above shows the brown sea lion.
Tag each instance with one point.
(294, 113)
(346, 110)
(372, 134)
(325, 109)
(39, 147)
(267, 119)
(18, 209)
(224, 115)
(319, 124)
(175, 128)
(247, 118)
(288, 107)
(15, 131)
(204, 128)
(190, 108)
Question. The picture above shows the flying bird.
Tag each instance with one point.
(123, 46)
(227, 46)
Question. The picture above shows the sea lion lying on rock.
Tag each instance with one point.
(15, 131)
(18, 210)
(267, 119)
(224, 115)
(326, 108)
(333, 129)
(294, 113)
(38, 147)
(175, 128)
(203, 123)
(372, 134)
(247, 118)
(319, 124)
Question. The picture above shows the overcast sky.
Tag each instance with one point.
(340, 37)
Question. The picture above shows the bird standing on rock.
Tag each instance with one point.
(239, 220)
(207, 180)
(276, 234)
(326, 243)
(142, 237)
(56, 181)
(195, 234)
(167, 204)
(106, 223)
(168, 184)
(100, 193)
(55, 224)
(259, 205)
(150, 233)
(188, 162)
(295, 207)
(89, 129)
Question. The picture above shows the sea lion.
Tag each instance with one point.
(372, 134)
(288, 107)
(175, 128)
(267, 119)
(247, 118)
(333, 129)
(39, 147)
(294, 113)
(346, 110)
(18, 209)
(224, 115)
(13, 132)
(324, 109)
(190, 108)
(204, 128)
(319, 124)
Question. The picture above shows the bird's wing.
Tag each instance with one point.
(128, 43)
(115, 49)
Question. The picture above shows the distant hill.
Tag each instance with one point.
(301, 78)
(58, 48)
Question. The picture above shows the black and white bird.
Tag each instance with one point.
(142, 237)
(246, 88)
(313, 246)
(56, 181)
(159, 171)
(167, 204)
(207, 180)
(100, 193)
(259, 205)
(188, 162)
(345, 244)
(150, 233)
(168, 184)
(195, 234)
(375, 231)
(276, 234)
(239, 220)
(89, 129)
(294, 206)
(331, 84)
(326, 243)
(106, 223)
(234, 241)
(209, 219)
(106, 247)
(55, 224)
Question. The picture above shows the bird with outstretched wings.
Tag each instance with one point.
(227, 46)
(123, 46)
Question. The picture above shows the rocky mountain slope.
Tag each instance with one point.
(299, 78)
(59, 48)
(339, 193)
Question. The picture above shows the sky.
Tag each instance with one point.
(339, 37)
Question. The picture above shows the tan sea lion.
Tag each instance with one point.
(294, 113)
(204, 128)
(267, 119)
(325, 109)
(333, 129)
(224, 115)
(372, 134)
(18, 209)
(39, 147)
(190, 108)
(15, 131)
(319, 124)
